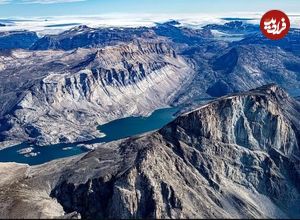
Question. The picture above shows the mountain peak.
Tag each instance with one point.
(247, 119)
(171, 23)
(271, 88)
(80, 28)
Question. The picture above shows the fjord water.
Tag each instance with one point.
(113, 130)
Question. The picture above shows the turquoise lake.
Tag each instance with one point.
(114, 130)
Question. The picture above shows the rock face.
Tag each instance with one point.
(86, 37)
(239, 68)
(234, 27)
(247, 66)
(65, 96)
(289, 43)
(17, 39)
(65, 85)
(83, 36)
(236, 157)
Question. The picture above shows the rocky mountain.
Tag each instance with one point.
(61, 96)
(17, 39)
(182, 35)
(244, 67)
(232, 68)
(84, 36)
(236, 157)
(67, 84)
(289, 43)
(234, 27)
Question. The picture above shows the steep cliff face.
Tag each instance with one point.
(237, 157)
(259, 119)
(86, 87)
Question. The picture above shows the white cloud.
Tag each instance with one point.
(57, 24)
(47, 1)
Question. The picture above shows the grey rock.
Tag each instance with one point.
(84, 36)
(234, 27)
(69, 93)
(236, 157)
(17, 39)
(69, 83)
(289, 43)
(239, 68)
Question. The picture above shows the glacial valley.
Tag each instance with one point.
(176, 122)
(59, 88)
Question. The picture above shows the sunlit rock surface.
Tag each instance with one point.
(65, 96)
(236, 157)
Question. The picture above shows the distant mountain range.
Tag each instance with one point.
(58, 88)
(236, 157)
(234, 27)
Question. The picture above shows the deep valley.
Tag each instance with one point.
(162, 121)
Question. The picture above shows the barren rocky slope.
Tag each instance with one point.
(17, 39)
(84, 36)
(58, 96)
(289, 43)
(67, 84)
(236, 157)
(222, 69)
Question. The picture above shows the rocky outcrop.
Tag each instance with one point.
(17, 39)
(62, 96)
(289, 43)
(234, 27)
(84, 36)
(239, 68)
(236, 157)
(87, 37)
(69, 83)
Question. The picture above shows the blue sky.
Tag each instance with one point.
(27, 8)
